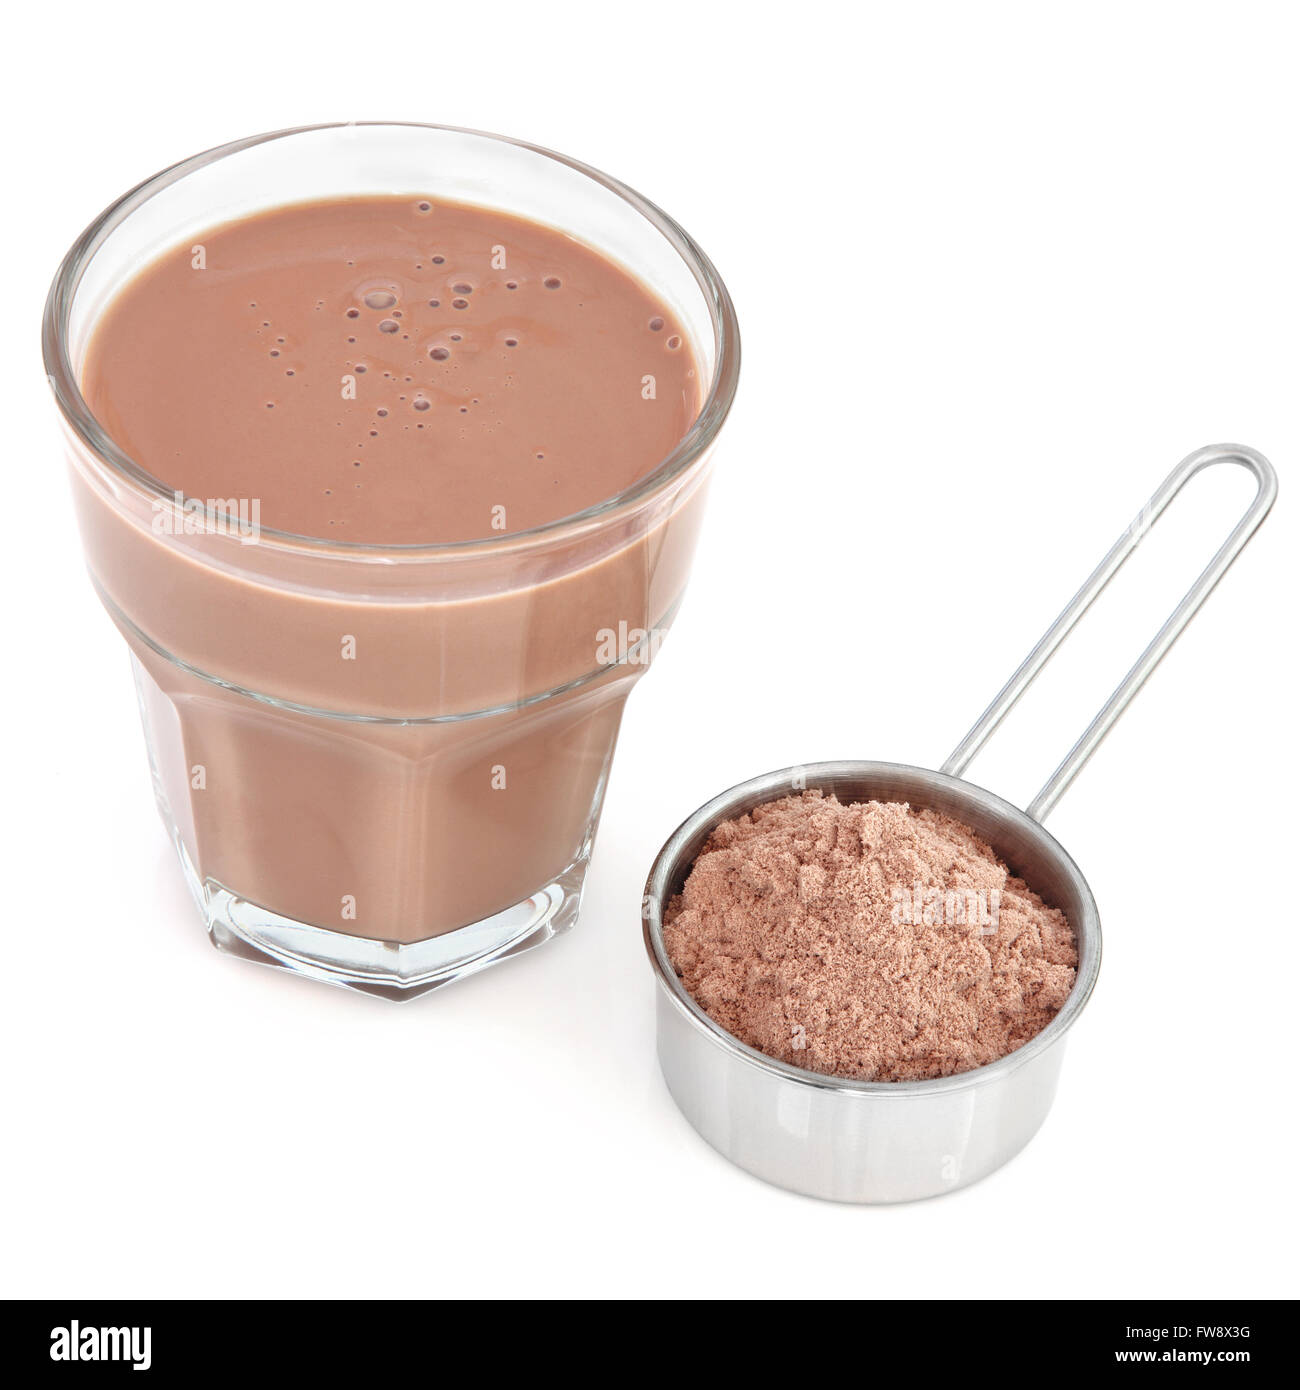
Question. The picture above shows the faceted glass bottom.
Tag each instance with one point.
(388, 969)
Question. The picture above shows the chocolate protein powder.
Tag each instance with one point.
(872, 940)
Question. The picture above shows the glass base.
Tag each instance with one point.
(388, 969)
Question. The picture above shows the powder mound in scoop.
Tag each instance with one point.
(870, 941)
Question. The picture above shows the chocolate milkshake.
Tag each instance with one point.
(395, 371)
(393, 496)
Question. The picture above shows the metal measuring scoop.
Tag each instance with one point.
(895, 1141)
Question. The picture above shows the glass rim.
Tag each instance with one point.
(693, 444)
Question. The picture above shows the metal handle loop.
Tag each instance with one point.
(1024, 677)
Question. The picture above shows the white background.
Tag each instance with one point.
(998, 268)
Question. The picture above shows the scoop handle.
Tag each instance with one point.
(1024, 677)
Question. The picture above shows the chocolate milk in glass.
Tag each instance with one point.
(396, 578)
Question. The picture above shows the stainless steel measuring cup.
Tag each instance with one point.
(861, 1141)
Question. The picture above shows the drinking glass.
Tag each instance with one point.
(383, 765)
